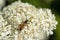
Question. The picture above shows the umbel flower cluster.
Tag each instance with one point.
(23, 21)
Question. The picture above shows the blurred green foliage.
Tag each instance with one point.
(56, 5)
(52, 4)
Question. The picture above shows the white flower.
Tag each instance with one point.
(38, 24)
(5, 28)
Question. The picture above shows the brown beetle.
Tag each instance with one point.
(22, 25)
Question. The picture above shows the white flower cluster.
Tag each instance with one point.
(40, 22)
(5, 28)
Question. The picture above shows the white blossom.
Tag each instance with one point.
(40, 22)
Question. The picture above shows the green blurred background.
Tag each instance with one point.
(54, 5)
